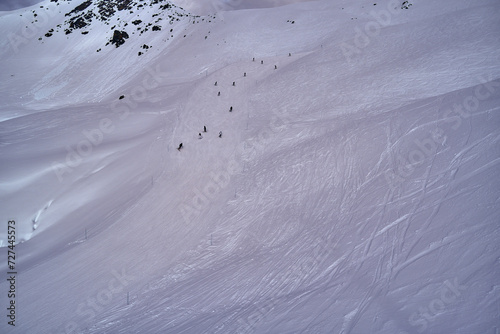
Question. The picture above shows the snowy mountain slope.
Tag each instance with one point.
(347, 194)
(83, 76)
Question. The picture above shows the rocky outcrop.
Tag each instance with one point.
(119, 38)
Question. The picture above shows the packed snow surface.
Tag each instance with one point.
(354, 189)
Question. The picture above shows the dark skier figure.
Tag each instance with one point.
(200, 136)
(231, 109)
(180, 146)
(204, 128)
(234, 83)
(218, 94)
(220, 134)
(216, 83)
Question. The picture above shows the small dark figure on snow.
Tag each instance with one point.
(218, 94)
(253, 59)
(289, 54)
(275, 67)
(204, 128)
(216, 83)
(220, 134)
(245, 74)
(200, 136)
(262, 62)
(230, 108)
(234, 83)
(180, 146)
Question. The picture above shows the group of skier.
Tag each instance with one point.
(230, 108)
(199, 137)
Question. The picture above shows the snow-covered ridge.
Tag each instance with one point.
(62, 33)
(354, 188)
(118, 14)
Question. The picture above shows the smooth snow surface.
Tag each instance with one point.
(355, 188)
(201, 7)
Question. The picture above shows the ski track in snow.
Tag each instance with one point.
(302, 229)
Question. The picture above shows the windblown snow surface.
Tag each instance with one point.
(355, 188)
